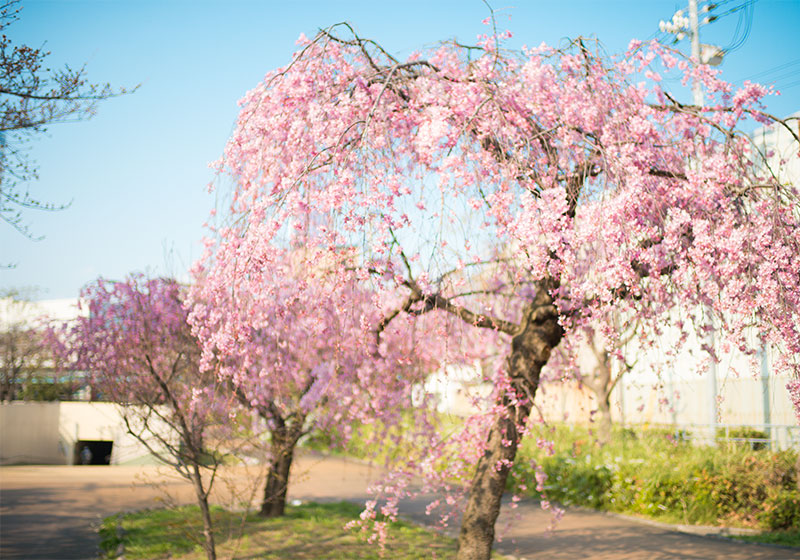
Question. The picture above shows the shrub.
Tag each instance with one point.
(781, 509)
(744, 436)
(659, 474)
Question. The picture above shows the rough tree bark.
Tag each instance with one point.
(284, 441)
(602, 381)
(538, 334)
(287, 430)
(604, 423)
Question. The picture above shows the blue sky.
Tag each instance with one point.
(136, 174)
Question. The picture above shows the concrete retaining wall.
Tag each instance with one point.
(46, 432)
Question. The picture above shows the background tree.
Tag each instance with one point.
(611, 196)
(602, 380)
(32, 97)
(139, 352)
(291, 343)
(28, 365)
(601, 372)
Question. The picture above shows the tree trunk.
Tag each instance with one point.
(280, 464)
(539, 332)
(202, 501)
(604, 424)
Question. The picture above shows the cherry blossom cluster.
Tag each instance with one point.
(296, 337)
(136, 346)
(461, 182)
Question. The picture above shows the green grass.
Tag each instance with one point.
(309, 531)
(783, 538)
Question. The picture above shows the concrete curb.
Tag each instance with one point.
(700, 530)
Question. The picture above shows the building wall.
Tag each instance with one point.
(29, 433)
(46, 433)
(681, 402)
(32, 313)
(784, 160)
(657, 391)
(685, 402)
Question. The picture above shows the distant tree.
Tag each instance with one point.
(614, 198)
(609, 358)
(294, 343)
(32, 97)
(139, 352)
(601, 381)
(27, 361)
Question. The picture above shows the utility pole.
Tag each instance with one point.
(765, 396)
(697, 94)
(692, 25)
(694, 33)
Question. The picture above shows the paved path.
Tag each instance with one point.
(51, 513)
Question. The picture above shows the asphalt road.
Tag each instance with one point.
(52, 513)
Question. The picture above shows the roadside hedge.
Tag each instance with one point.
(662, 475)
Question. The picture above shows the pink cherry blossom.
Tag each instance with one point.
(577, 189)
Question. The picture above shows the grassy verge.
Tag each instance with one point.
(783, 538)
(308, 531)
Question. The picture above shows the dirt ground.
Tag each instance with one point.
(51, 512)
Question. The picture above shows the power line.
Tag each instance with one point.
(791, 85)
(746, 4)
(781, 77)
(678, 27)
(743, 25)
(774, 69)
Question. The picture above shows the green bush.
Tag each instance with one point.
(660, 435)
(44, 391)
(742, 436)
(781, 509)
(660, 474)
(573, 482)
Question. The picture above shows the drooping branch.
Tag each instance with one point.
(700, 112)
(655, 172)
(186, 430)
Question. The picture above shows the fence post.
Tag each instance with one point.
(765, 396)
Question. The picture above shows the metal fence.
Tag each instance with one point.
(757, 436)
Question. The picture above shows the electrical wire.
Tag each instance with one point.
(745, 10)
(774, 69)
(746, 4)
(743, 26)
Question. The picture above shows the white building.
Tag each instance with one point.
(56, 433)
(782, 150)
(60, 432)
